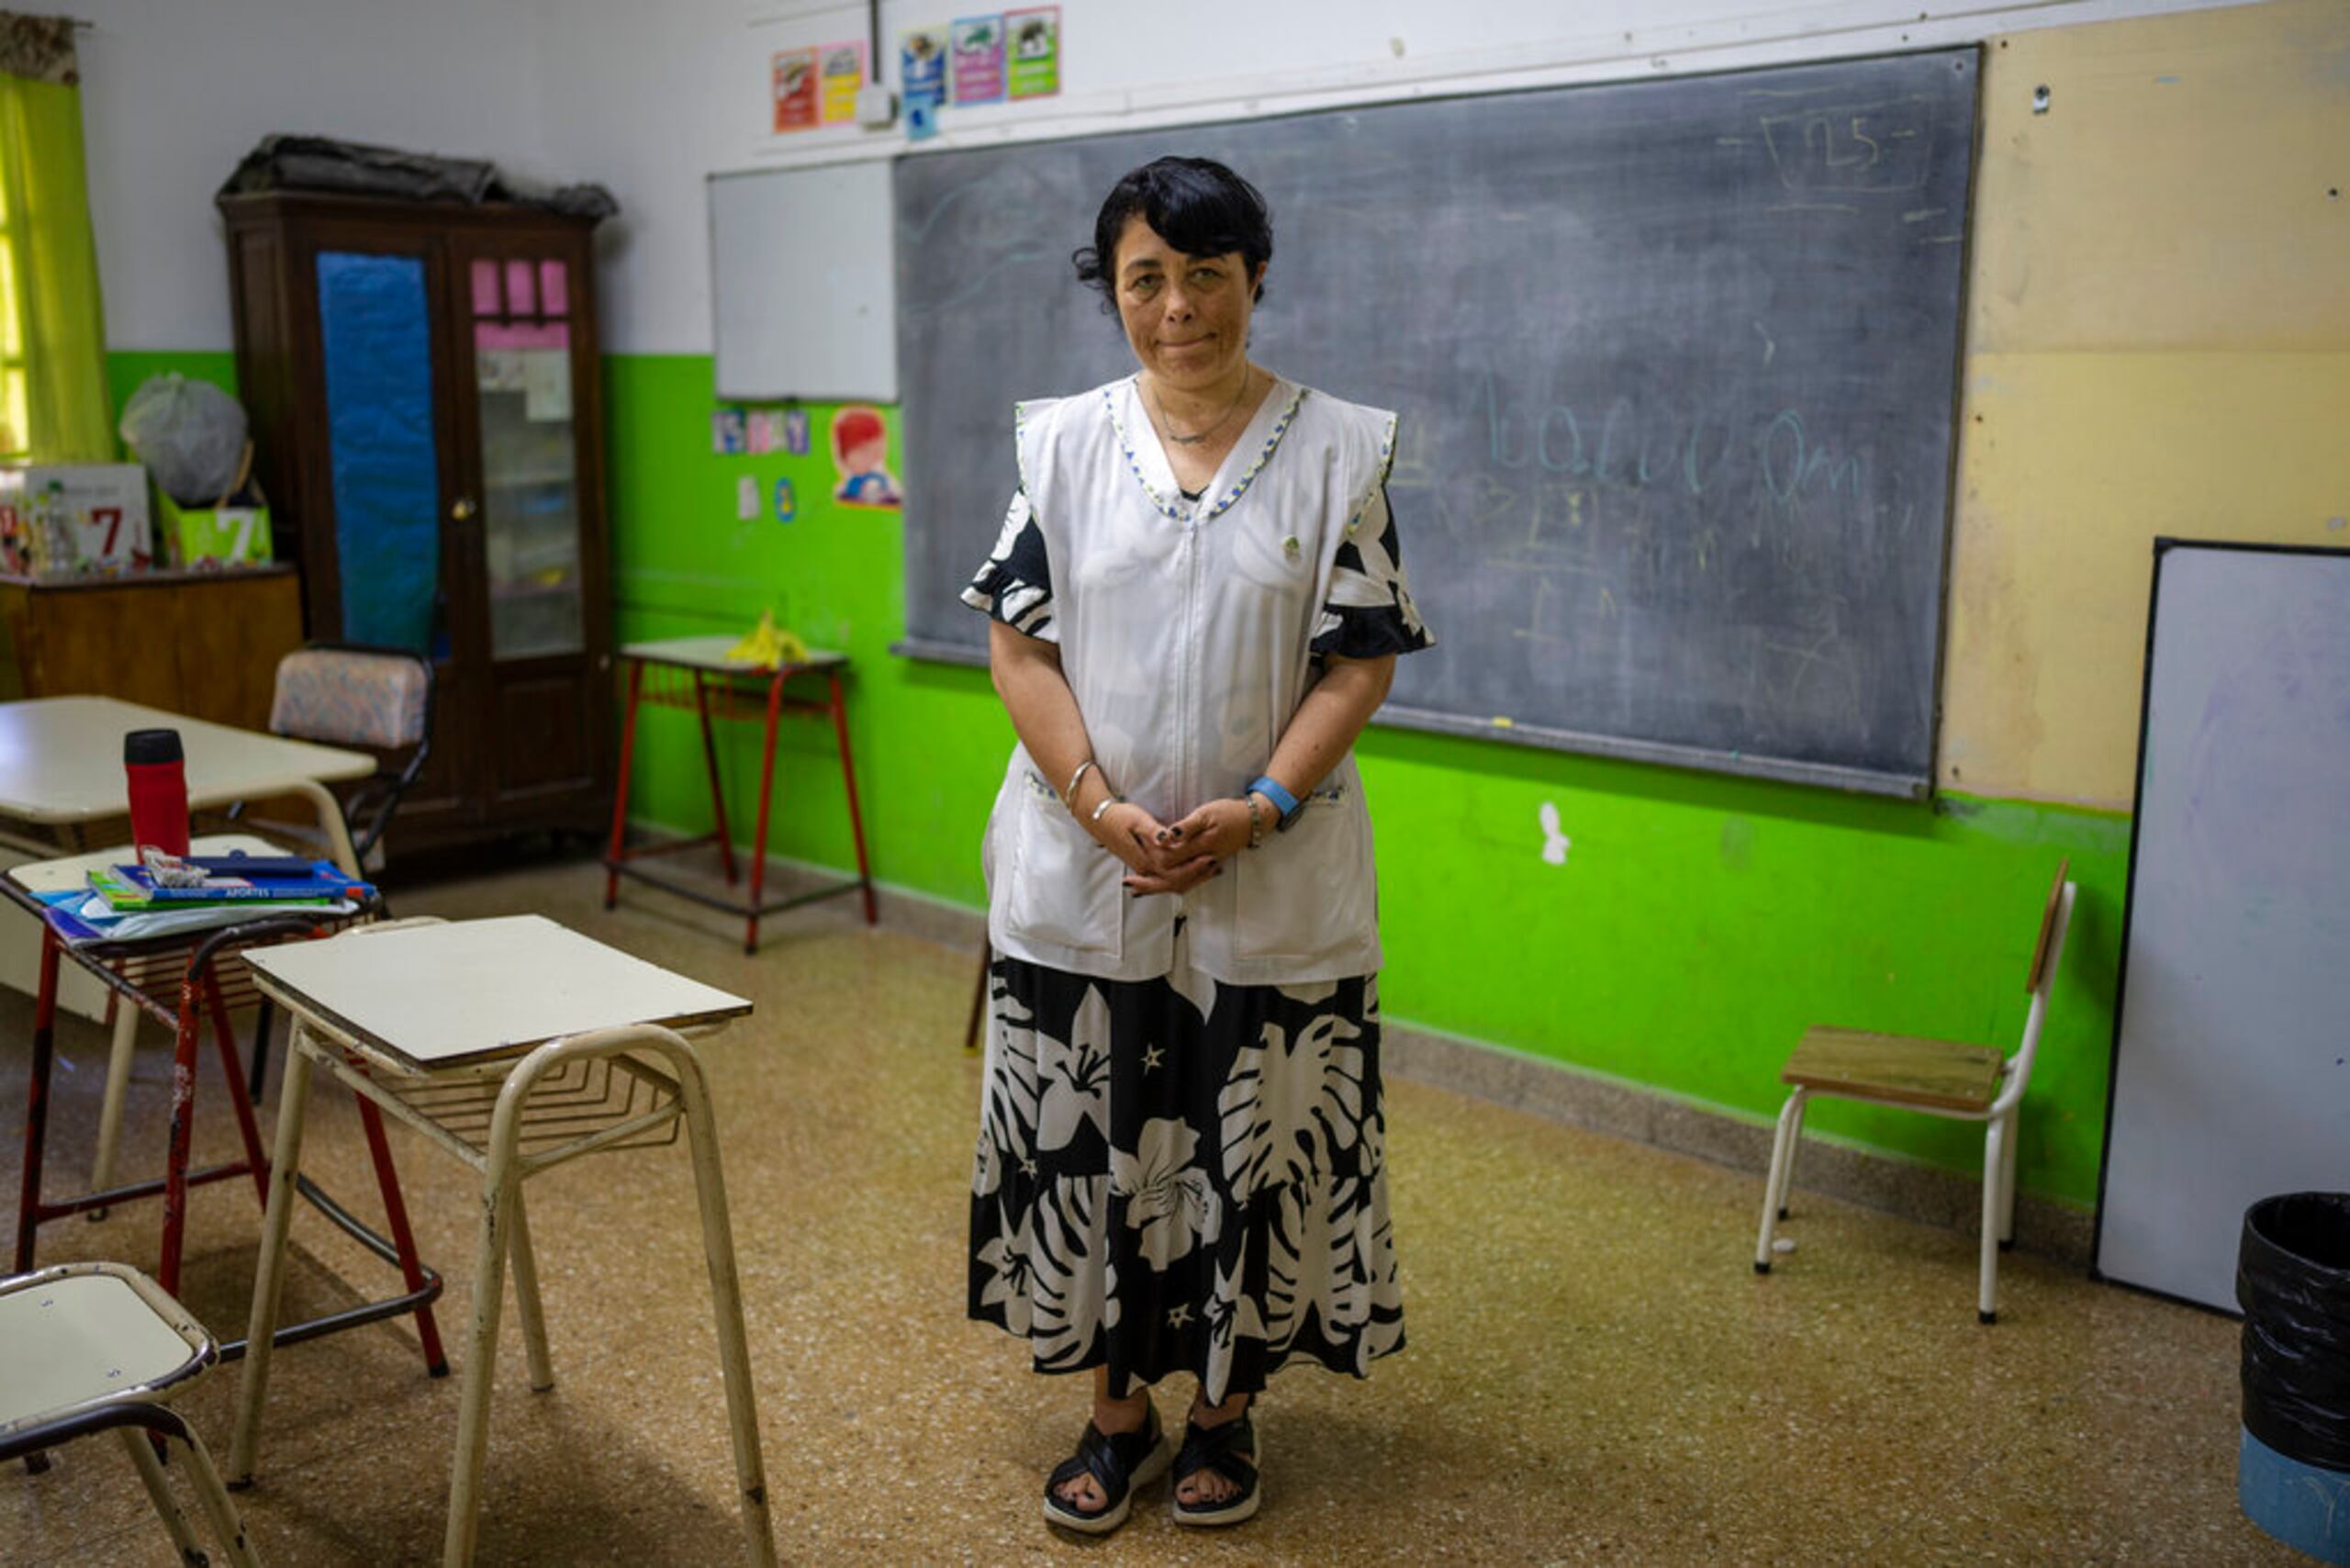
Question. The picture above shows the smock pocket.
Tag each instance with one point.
(1307, 890)
(1065, 887)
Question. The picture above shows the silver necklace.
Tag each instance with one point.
(1167, 426)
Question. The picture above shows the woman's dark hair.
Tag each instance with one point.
(1197, 204)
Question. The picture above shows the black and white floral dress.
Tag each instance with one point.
(1177, 1171)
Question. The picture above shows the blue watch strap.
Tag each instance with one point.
(1283, 802)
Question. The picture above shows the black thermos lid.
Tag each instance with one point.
(149, 746)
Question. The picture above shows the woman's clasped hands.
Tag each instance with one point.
(1173, 857)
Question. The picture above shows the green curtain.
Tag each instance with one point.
(54, 341)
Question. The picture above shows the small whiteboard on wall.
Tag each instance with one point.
(803, 297)
(2232, 1040)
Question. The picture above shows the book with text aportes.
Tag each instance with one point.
(135, 888)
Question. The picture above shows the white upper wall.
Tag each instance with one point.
(651, 99)
(175, 92)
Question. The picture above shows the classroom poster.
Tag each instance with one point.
(795, 432)
(786, 501)
(979, 59)
(922, 79)
(861, 458)
(1033, 38)
(765, 431)
(843, 74)
(795, 90)
(726, 433)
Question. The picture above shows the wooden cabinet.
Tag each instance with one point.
(426, 395)
(202, 644)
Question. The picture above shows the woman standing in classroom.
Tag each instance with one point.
(1198, 599)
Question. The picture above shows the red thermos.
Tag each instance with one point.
(157, 771)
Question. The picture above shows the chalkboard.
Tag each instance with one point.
(2229, 1083)
(1676, 363)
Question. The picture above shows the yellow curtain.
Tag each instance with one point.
(53, 401)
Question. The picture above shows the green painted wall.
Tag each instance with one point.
(1699, 924)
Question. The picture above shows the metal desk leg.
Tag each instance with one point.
(119, 1058)
(37, 1100)
(284, 1169)
(500, 1183)
(526, 1300)
(387, 1183)
(717, 794)
(141, 1449)
(338, 832)
(766, 803)
(848, 779)
(620, 791)
(726, 1301)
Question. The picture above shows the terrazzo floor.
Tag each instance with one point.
(1593, 1375)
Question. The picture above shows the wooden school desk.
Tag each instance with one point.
(695, 673)
(514, 1044)
(184, 982)
(61, 765)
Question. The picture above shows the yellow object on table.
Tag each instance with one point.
(768, 645)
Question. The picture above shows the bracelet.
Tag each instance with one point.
(1068, 795)
(1256, 820)
(1283, 802)
(1107, 801)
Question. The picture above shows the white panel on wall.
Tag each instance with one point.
(799, 307)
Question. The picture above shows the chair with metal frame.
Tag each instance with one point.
(374, 699)
(351, 694)
(88, 1347)
(1938, 1078)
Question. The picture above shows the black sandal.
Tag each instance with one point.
(1231, 1451)
(1119, 1462)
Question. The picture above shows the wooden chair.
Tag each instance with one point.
(1939, 1078)
(88, 1347)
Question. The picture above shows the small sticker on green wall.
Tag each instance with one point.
(1555, 844)
(786, 502)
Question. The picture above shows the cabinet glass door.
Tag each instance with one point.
(528, 456)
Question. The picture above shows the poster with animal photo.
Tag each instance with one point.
(795, 90)
(1033, 41)
(922, 79)
(978, 65)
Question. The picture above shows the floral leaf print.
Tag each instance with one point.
(1075, 1075)
(1065, 1292)
(1005, 1258)
(1008, 1114)
(1169, 1199)
(1290, 1101)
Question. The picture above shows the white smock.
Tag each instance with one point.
(1189, 633)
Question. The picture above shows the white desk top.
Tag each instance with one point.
(61, 759)
(709, 653)
(471, 991)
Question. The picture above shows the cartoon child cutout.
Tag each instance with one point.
(861, 453)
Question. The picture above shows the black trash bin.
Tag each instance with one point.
(2293, 1283)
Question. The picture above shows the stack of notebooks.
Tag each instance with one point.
(127, 902)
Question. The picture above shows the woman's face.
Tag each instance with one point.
(1186, 317)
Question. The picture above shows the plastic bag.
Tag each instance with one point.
(2293, 1283)
(190, 434)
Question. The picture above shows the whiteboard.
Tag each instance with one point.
(799, 309)
(2231, 1054)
